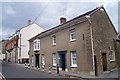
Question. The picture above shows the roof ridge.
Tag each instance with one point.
(90, 12)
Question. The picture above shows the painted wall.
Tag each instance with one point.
(27, 33)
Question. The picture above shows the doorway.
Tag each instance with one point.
(104, 61)
(37, 60)
(62, 60)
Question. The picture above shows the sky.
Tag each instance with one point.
(16, 13)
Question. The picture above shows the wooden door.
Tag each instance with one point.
(104, 61)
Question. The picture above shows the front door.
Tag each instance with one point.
(104, 61)
(37, 60)
(62, 60)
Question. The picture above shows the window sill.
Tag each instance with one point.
(54, 65)
(112, 61)
(54, 44)
(72, 40)
(36, 50)
(74, 66)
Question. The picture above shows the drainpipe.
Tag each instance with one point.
(93, 54)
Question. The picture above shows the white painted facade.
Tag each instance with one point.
(27, 33)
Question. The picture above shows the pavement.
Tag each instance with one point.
(115, 73)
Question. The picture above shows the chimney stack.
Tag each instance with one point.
(29, 22)
(62, 20)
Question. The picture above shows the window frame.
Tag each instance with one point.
(72, 63)
(54, 59)
(37, 44)
(72, 32)
(54, 40)
(112, 55)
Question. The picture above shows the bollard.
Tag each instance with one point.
(28, 66)
(25, 65)
(37, 68)
(49, 69)
(32, 65)
(42, 68)
(57, 69)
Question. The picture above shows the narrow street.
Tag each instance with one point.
(18, 71)
(12, 70)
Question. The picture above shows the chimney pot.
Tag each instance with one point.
(62, 20)
(29, 22)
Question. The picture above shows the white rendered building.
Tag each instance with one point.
(27, 33)
(21, 51)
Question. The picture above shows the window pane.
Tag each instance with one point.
(72, 34)
(54, 39)
(54, 59)
(74, 58)
(38, 44)
(74, 61)
(74, 55)
(111, 55)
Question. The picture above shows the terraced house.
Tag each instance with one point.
(17, 47)
(82, 44)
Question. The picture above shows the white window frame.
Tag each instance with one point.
(71, 33)
(112, 55)
(43, 59)
(72, 64)
(54, 59)
(53, 39)
(37, 44)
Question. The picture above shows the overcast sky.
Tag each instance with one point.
(16, 14)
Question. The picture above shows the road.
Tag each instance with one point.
(12, 70)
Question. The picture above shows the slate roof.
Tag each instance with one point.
(81, 17)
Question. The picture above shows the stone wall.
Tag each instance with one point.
(103, 35)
